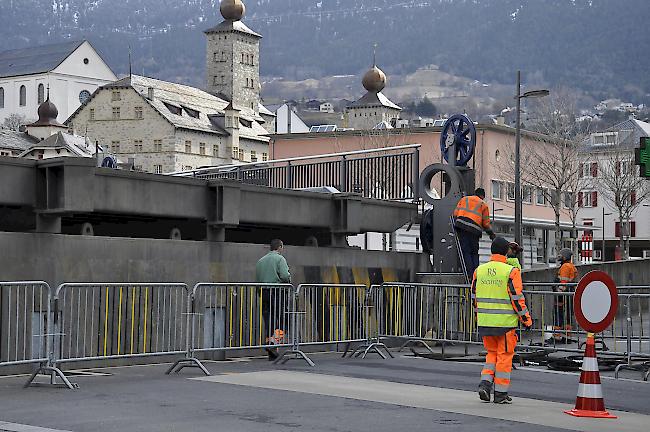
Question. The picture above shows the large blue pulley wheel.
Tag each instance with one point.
(458, 130)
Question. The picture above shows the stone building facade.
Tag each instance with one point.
(166, 127)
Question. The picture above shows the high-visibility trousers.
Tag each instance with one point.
(498, 362)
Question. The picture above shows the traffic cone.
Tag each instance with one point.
(590, 402)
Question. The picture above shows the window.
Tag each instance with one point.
(137, 145)
(568, 200)
(116, 113)
(138, 112)
(187, 168)
(22, 97)
(188, 146)
(589, 169)
(588, 199)
(252, 59)
(511, 191)
(235, 152)
(157, 169)
(215, 150)
(527, 194)
(497, 190)
(241, 154)
(629, 229)
(115, 96)
(541, 197)
(157, 145)
(41, 94)
(215, 80)
(91, 114)
(115, 146)
(2, 97)
(202, 148)
(252, 83)
(191, 112)
(253, 156)
(265, 157)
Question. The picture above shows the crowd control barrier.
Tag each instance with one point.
(236, 316)
(331, 313)
(98, 321)
(25, 328)
(416, 313)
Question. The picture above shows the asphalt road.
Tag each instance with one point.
(142, 398)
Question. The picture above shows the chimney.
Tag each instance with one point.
(150, 93)
(501, 120)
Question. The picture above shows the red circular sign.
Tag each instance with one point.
(595, 301)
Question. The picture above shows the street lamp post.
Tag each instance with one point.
(602, 258)
(518, 203)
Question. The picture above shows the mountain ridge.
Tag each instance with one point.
(596, 46)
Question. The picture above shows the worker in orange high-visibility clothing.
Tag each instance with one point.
(500, 306)
(563, 311)
(471, 218)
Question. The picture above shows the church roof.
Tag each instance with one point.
(10, 139)
(228, 26)
(372, 99)
(188, 107)
(35, 60)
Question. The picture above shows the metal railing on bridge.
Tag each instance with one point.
(389, 173)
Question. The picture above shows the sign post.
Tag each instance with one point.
(594, 303)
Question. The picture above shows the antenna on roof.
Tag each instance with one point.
(130, 61)
(374, 54)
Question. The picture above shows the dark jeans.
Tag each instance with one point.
(274, 306)
(469, 248)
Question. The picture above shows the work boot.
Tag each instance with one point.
(485, 390)
(273, 353)
(502, 398)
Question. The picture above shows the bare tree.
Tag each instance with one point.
(14, 121)
(621, 186)
(551, 164)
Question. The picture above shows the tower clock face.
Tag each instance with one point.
(84, 96)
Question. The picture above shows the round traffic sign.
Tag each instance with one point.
(595, 301)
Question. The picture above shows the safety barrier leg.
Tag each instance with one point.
(643, 367)
(295, 353)
(372, 344)
(189, 361)
(50, 368)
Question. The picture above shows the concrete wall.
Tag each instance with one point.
(636, 272)
(58, 258)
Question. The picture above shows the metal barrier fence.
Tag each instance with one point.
(235, 316)
(80, 322)
(117, 320)
(421, 313)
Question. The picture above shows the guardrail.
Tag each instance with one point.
(390, 173)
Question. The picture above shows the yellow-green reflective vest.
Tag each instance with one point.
(492, 298)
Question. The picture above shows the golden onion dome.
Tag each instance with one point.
(232, 10)
(374, 80)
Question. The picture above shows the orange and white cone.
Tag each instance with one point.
(590, 402)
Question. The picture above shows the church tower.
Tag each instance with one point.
(232, 63)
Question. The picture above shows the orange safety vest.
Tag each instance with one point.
(472, 214)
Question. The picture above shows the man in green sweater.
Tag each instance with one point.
(272, 268)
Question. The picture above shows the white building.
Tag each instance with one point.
(595, 210)
(287, 121)
(327, 107)
(72, 70)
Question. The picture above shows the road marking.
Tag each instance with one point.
(523, 410)
(15, 427)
